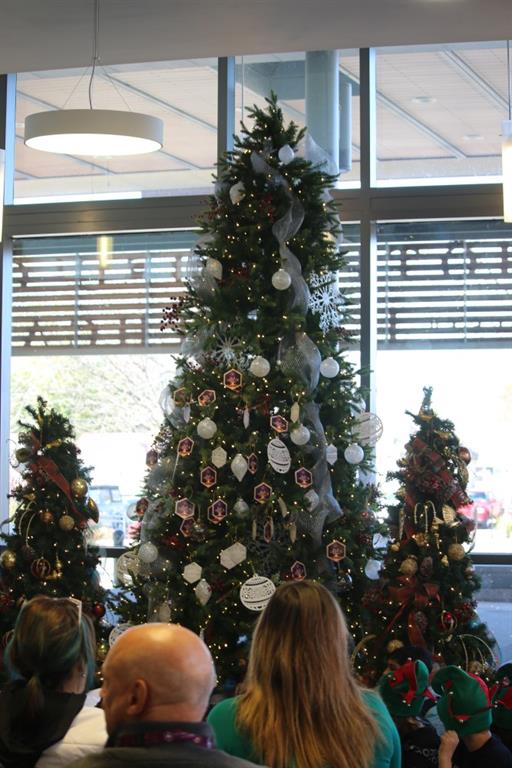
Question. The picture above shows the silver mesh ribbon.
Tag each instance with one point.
(309, 150)
(327, 508)
(300, 359)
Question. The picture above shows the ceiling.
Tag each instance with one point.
(439, 104)
(54, 34)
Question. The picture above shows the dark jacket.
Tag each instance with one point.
(22, 740)
(175, 755)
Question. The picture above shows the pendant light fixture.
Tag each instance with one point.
(98, 132)
(506, 149)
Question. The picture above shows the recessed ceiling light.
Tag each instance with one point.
(424, 100)
(473, 137)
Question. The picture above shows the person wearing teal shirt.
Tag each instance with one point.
(301, 706)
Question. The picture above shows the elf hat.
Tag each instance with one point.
(501, 697)
(465, 705)
(405, 689)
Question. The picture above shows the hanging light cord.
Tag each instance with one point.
(95, 56)
(509, 82)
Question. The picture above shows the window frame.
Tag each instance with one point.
(368, 204)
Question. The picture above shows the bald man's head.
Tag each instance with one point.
(157, 672)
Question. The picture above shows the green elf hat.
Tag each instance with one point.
(405, 689)
(465, 704)
(501, 697)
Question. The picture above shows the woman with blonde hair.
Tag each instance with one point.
(50, 660)
(301, 706)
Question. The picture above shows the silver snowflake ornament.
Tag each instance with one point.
(228, 350)
(326, 299)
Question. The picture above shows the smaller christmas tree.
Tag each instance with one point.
(47, 552)
(425, 594)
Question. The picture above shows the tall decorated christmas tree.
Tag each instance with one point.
(252, 479)
(426, 592)
(46, 551)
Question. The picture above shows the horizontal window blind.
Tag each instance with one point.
(437, 291)
(83, 294)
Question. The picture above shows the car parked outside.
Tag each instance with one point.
(483, 509)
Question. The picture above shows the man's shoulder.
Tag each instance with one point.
(164, 757)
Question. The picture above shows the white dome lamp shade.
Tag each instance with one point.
(94, 132)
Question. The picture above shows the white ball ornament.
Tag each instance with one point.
(286, 154)
(237, 192)
(259, 366)
(300, 435)
(256, 592)
(206, 428)
(329, 367)
(148, 553)
(279, 456)
(241, 507)
(281, 280)
(353, 453)
(214, 268)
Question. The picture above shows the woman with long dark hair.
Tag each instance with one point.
(301, 705)
(50, 660)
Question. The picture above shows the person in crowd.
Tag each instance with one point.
(501, 698)
(465, 709)
(301, 705)
(50, 660)
(404, 691)
(405, 653)
(157, 681)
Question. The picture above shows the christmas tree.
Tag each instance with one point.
(426, 592)
(253, 479)
(47, 552)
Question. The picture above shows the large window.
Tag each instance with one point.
(182, 93)
(103, 296)
(319, 89)
(445, 320)
(439, 112)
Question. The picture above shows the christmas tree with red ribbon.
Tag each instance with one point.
(46, 550)
(426, 591)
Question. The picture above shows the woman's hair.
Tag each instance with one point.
(50, 637)
(301, 704)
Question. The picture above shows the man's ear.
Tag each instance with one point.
(139, 698)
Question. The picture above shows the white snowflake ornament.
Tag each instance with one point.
(326, 299)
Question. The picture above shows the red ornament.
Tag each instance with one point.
(98, 610)
(447, 622)
(173, 541)
(141, 507)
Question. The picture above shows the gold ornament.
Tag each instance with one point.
(8, 559)
(23, 455)
(57, 571)
(79, 488)
(395, 547)
(93, 510)
(444, 560)
(66, 523)
(448, 513)
(394, 645)
(456, 552)
(409, 566)
(475, 668)
(102, 650)
(29, 497)
(421, 539)
(46, 517)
